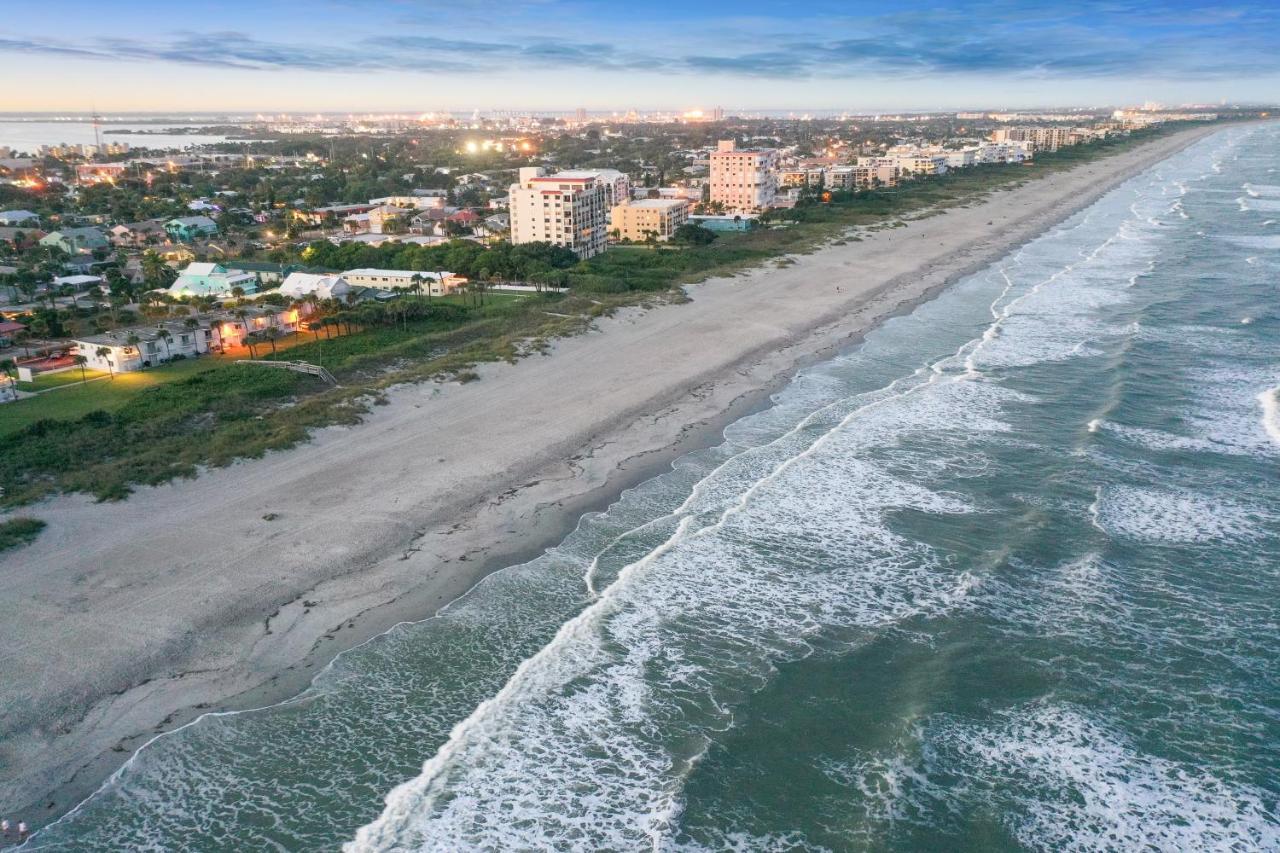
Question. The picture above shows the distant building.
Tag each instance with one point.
(617, 186)
(651, 217)
(20, 238)
(136, 234)
(383, 219)
(19, 217)
(97, 173)
(229, 329)
(205, 279)
(152, 348)
(743, 179)
(436, 283)
(724, 222)
(189, 228)
(299, 285)
(564, 211)
(75, 241)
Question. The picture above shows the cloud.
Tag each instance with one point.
(1090, 39)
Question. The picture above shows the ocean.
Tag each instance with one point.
(1004, 576)
(26, 135)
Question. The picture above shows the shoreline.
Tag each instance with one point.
(355, 578)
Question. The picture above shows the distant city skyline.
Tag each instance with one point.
(403, 56)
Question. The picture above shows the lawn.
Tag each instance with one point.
(45, 381)
(76, 401)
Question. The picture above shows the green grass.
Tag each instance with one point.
(17, 532)
(208, 417)
(107, 395)
(46, 381)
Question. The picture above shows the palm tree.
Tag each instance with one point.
(8, 367)
(243, 315)
(271, 334)
(105, 355)
(165, 337)
(135, 343)
(248, 341)
(80, 361)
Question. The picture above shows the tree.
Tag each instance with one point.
(9, 367)
(155, 272)
(104, 353)
(248, 341)
(692, 234)
(271, 334)
(165, 337)
(135, 344)
(80, 362)
(243, 316)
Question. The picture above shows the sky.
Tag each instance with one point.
(427, 55)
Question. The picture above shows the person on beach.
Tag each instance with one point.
(22, 831)
(4, 827)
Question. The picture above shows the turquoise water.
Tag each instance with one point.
(1004, 577)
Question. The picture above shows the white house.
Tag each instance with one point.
(298, 285)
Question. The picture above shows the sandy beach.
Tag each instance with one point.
(230, 591)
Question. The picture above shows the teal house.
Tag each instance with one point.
(188, 228)
(215, 280)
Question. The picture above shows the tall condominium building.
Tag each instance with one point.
(743, 179)
(649, 217)
(617, 186)
(563, 210)
(1044, 138)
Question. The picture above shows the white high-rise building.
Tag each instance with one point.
(617, 186)
(562, 209)
(744, 180)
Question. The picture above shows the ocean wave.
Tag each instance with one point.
(1269, 401)
(1175, 516)
(1062, 780)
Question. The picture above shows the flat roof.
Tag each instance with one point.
(655, 202)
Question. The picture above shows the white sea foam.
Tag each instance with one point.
(1269, 401)
(1155, 439)
(1262, 190)
(1175, 516)
(1251, 242)
(589, 737)
(1262, 205)
(1063, 781)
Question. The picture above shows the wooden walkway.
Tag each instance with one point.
(295, 366)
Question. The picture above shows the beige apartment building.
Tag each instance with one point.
(564, 210)
(1043, 138)
(656, 217)
(744, 180)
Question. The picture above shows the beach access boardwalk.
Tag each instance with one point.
(295, 366)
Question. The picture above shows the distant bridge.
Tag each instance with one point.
(295, 366)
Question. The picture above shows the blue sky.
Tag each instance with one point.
(419, 55)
